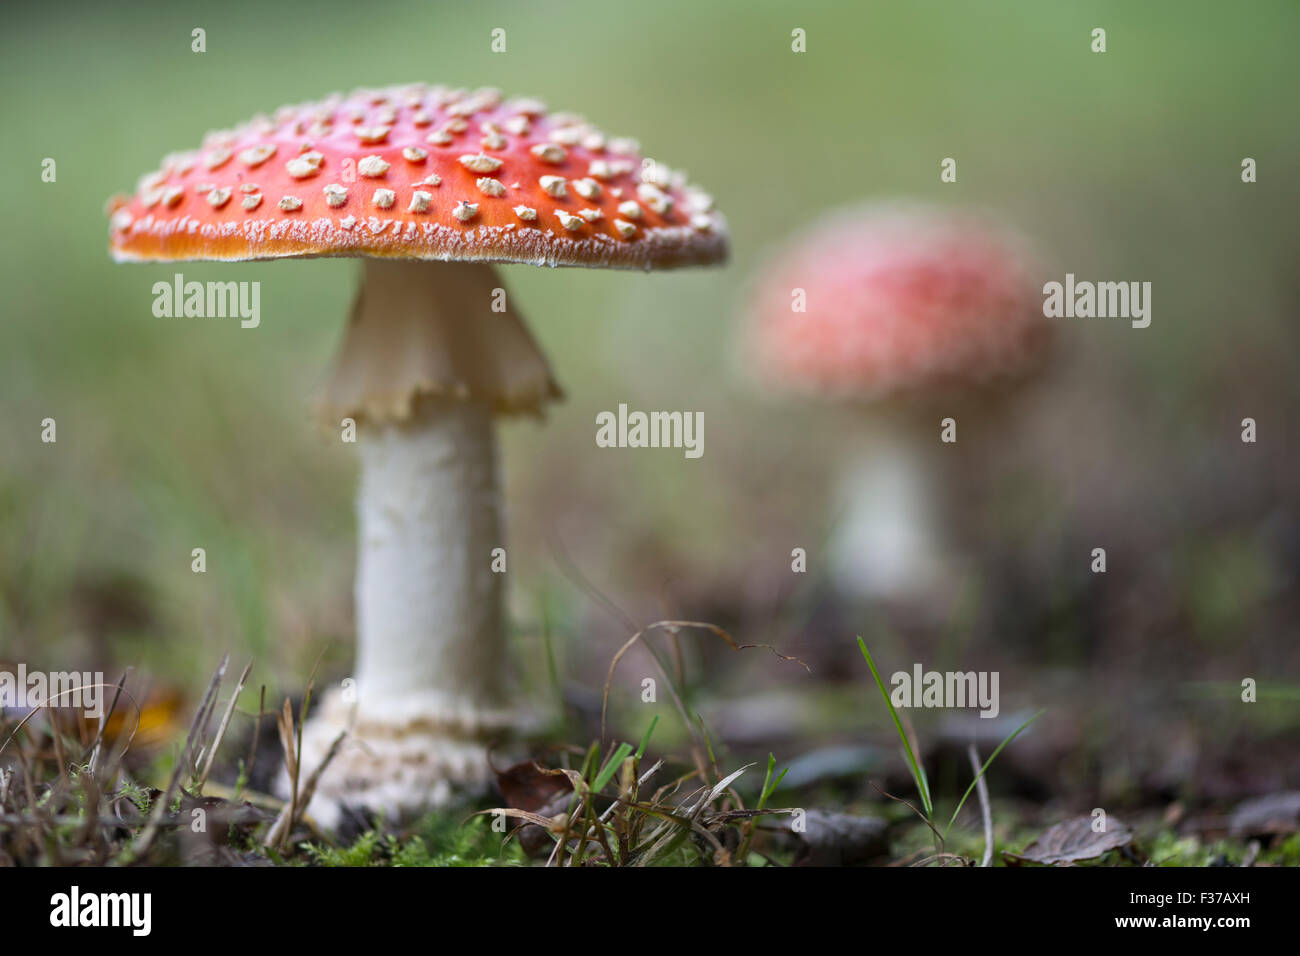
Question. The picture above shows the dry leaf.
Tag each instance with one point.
(527, 786)
(1072, 840)
(840, 839)
(1274, 813)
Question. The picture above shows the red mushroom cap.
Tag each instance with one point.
(897, 298)
(423, 173)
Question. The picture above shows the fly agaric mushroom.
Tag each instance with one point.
(431, 186)
(921, 313)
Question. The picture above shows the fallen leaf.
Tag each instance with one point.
(1274, 813)
(532, 788)
(839, 839)
(1072, 840)
(527, 786)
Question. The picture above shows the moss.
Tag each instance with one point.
(360, 853)
(1283, 853)
(438, 840)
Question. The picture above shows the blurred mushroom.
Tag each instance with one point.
(430, 185)
(918, 312)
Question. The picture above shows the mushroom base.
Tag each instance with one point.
(414, 756)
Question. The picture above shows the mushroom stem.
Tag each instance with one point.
(428, 603)
(432, 353)
(887, 542)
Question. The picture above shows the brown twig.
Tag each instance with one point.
(221, 729)
(937, 835)
(257, 734)
(297, 806)
(146, 837)
(673, 627)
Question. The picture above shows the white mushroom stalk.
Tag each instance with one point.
(428, 604)
(424, 369)
(888, 543)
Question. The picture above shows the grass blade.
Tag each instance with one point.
(612, 764)
(640, 751)
(770, 785)
(922, 784)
